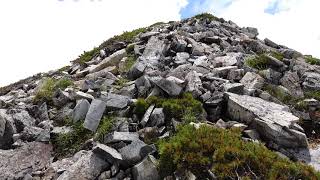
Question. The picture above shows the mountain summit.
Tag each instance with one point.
(201, 98)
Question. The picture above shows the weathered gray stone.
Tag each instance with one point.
(61, 98)
(80, 110)
(233, 88)
(131, 153)
(114, 101)
(270, 43)
(271, 75)
(146, 170)
(22, 119)
(236, 74)
(224, 71)
(81, 95)
(193, 83)
(311, 81)
(104, 73)
(273, 121)
(154, 50)
(143, 85)
(108, 153)
(291, 81)
(121, 136)
(137, 69)
(252, 134)
(181, 58)
(169, 87)
(230, 59)
(156, 118)
(252, 81)
(7, 129)
(88, 166)
(112, 60)
(147, 35)
(29, 158)
(146, 116)
(94, 114)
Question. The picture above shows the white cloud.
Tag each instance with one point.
(37, 35)
(296, 26)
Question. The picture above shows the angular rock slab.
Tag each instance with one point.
(169, 87)
(88, 166)
(29, 158)
(146, 170)
(81, 109)
(115, 101)
(272, 120)
(94, 115)
(110, 154)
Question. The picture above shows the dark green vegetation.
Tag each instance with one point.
(226, 155)
(280, 94)
(48, 88)
(183, 108)
(72, 142)
(206, 16)
(87, 56)
(312, 60)
(313, 94)
(131, 58)
(261, 61)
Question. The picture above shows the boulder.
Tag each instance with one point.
(137, 69)
(181, 58)
(121, 136)
(27, 159)
(236, 88)
(104, 73)
(230, 59)
(7, 129)
(114, 101)
(235, 75)
(146, 170)
(94, 115)
(270, 43)
(155, 49)
(272, 75)
(131, 153)
(61, 98)
(169, 86)
(290, 81)
(311, 81)
(194, 84)
(156, 118)
(273, 121)
(252, 81)
(109, 154)
(112, 60)
(88, 166)
(80, 110)
(146, 116)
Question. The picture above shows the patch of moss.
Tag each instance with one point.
(312, 60)
(48, 87)
(70, 143)
(227, 155)
(206, 16)
(141, 107)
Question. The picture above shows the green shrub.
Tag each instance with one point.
(313, 94)
(105, 127)
(260, 62)
(141, 107)
(312, 60)
(206, 16)
(87, 56)
(48, 87)
(227, 155)
(70, 143)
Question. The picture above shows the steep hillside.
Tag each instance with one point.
(196, 99)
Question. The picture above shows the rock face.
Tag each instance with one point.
(81, 109)
(146, 170)
(31, 157)
(273, 121)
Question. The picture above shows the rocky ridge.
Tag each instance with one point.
(268, 91)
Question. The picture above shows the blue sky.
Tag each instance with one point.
(41, 35)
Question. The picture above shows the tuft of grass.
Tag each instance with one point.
(104, 127)
(204, 16)
(185, 108)
(276, 92)
(277, 55)
(70, 143)
(313, 94)
(312, 60)
(121, 82)
(260, 62)
(87, 56)
(48, 87)
(227, 155)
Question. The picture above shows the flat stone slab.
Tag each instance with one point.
(94, 115)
